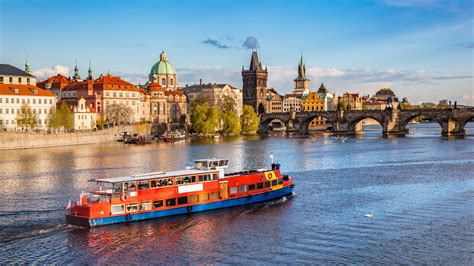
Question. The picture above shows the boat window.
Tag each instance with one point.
(204, 164)
(153, 183)
(193, 198)
(143, 185)
(129, 186)
(182, 200)
(163, 182)
(215, 195)
(243, 188)
(118, 209)
(233, 190)
(185, 180)
(215, 163)
(203, 197)
(132, 207)
(170, 202)
(117, 187)
(198, 164)
(145, 206)
(252, 187)
(259, 185)
(274, 182)
(222, 163)
(286, 178)
(267, 184)
(157, 204)
(280, 181)
(207, 177)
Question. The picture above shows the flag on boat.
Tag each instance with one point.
(71, 204)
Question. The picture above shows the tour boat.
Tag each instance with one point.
(205, 186)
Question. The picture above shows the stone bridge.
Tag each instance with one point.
(393, 121)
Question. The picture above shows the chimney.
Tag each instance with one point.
(200, 81)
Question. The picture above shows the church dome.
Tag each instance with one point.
(162, 67)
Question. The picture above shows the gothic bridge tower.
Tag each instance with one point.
(255, 85)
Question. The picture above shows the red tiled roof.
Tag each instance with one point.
(297, 95)
(180, 93)
(24, 90)
(110, 82)
(58, 81)
(155, 86)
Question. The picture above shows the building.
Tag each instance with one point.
(85, 117)
(329, 99)
(177, 107)
(350, 101)
(215, 94)
(292, 102)
(274, 102)
(164, 73)
(255, 85)
(18, 87)
(313, 102)
(55, 84)
(384, 95)
(302, 83)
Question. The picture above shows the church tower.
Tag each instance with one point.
(255, 85)
(301, 82)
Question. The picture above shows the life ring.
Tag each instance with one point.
(190, 208)
(124, 197)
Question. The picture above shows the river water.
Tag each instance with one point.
(420, 190)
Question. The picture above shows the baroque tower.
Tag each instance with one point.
(302, 83)
(255, 85)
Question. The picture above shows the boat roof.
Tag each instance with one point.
(149, 176)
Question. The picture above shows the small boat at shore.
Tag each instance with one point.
(153, 195)
(173, 136)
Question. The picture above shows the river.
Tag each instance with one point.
(420, 189)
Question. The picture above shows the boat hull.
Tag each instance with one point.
(267, 196)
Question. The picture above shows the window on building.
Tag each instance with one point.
(1, 110)
(6, 100)
(171, 82)
(170, 202)
(17, 100)
(1, 80)
(10, 79)
(19, 80)
(28, 80)
(163, 81)
(157, 204)
(1, 100)
(182, 200)
(114, 94)
(34, 101)
(120, 95)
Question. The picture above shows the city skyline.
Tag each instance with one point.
(421, 49)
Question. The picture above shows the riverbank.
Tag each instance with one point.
(13, 140)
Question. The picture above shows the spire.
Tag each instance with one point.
(90, 70)
(27, 65)
(301, 69)
(254, 62)
(76, 72)
(163, 56)
(322, 88)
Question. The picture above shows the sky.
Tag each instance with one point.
(422, 49)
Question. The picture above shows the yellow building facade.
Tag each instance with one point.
(314, 103)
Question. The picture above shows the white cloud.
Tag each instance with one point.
(44, 73)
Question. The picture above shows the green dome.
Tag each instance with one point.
(163, 67)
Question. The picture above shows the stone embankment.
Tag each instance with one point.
(13, 140)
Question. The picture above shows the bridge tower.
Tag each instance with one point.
(255, 85)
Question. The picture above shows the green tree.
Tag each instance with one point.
(249, 120)
(62, 117)
(205, 118)
(26, 118)
(101, 122)
(230, 119)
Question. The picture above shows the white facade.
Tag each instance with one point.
(292, 102)
(84, 117)
(10, 106)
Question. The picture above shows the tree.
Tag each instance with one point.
(205, 118)
(249, 120)
(26, 118)
(101, 122)
(119, 113)
(65, 116)
(230, 119)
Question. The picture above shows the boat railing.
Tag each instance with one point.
(247, 172)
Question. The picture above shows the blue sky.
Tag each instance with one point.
(423, 49)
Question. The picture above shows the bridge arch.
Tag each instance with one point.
(305, 122)
(354, 121)
(264, 124)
